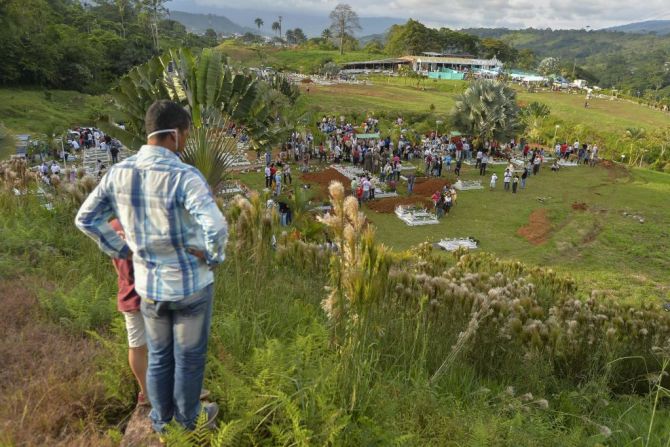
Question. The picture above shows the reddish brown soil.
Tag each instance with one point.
(426, 187)
(389, 205)
(323, 179)
(538, 228)
(579, 206)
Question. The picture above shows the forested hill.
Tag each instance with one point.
(659, 27)
(624, 60)
(84, 46)
(199, 23)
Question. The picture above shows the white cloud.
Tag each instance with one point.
(473, 13)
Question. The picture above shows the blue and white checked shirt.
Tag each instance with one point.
(166, 208)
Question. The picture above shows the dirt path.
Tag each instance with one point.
(538, 229)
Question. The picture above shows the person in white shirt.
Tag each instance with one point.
(468, 152)
(479, 158)
(55, 169)
(483, 163)
(494, 179)
(366, 189)
(268, 176)
(507, 180)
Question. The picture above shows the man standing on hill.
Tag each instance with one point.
(176, 234)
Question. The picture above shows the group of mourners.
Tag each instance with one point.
(381, 160)
(580, 153)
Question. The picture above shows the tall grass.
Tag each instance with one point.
(507, 366)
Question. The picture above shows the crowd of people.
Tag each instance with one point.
(383, 160)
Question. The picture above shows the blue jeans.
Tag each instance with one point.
(177, 333)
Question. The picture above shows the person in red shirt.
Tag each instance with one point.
(128, 303)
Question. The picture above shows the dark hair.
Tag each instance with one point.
(164, 114)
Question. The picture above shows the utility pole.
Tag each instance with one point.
(280, 17)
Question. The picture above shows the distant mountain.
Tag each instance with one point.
(312, 23)
(660, 27)
(381, 37)
(198, 23)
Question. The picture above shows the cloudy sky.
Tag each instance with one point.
(471, 13)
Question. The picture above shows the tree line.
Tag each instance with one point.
(68, 44)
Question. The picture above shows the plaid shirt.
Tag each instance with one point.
(166, 208)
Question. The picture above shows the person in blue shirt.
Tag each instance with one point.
(176, 234)
(447, 161)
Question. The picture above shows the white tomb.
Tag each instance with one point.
(414, 216)
(453, 244)
(467, 185)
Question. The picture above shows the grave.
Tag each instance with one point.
(467, 185)
(351, 173)
(414, 216)
(453, 244)
(491, 162)
(566, 164)
(379, 194)
(231, 189)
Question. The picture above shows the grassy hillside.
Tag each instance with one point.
(290, 59)
(419, 358)
(44, 112)
(604, 121)
(399, 375)
(599, 246)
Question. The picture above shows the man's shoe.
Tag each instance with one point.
(204, 394)
(212, 410)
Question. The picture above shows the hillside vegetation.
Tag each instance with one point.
(472, 350)
(630, 62)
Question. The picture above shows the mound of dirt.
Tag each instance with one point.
(323, 179)
(538, 228)
(306, 81)
(614, 170)
(579, 206)
(426, 187)
(389, 205)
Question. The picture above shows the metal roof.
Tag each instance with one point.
(451, 60)
(379, 61)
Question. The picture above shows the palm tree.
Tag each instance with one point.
(488, 110)
(215, 94)
(326, 34)
(634, 135)
(211, 151)
(532, 116)
(290, 37)
(276, 27)
(259, 22)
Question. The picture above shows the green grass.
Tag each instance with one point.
(39, 112)
(302, 60)
(34, 111)
(604, 115)
(362, 99)
(600, 247)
